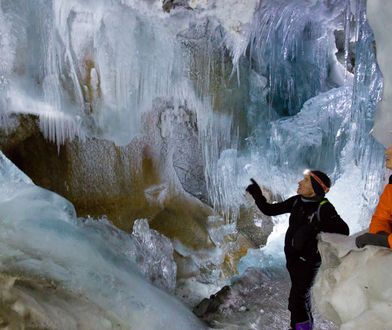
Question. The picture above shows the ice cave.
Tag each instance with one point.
(129, 131)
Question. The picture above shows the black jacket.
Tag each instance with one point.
(308, 218)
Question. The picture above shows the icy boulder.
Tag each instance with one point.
(352, 287)
(155, 257)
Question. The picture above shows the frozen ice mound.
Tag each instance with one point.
(351, 288)
(155, 255)
(92, 261)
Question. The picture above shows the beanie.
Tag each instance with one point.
(320, 182)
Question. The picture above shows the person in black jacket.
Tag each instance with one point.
(310, 214)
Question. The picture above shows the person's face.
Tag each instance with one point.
(305, 188)
(388, 158)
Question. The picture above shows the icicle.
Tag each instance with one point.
(59, 128)
(347, 36)
(281, 35)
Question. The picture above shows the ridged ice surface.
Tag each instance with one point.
(87, 67)
(292, 45)
(331, 133)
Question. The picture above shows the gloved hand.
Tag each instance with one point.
(372, 239)
(255, 190)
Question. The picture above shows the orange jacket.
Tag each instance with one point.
(382, 217)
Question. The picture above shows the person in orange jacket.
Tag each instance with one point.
(380, 229)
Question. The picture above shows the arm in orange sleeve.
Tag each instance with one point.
(382, 217)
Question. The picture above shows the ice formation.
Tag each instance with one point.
(379, 13)
(155, 255)
(87, 72)
(86, 75)
(269, 95)
(351, 287)
(81, 263)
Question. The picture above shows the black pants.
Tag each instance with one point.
(302, 274)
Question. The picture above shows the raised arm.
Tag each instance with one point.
(265, 207)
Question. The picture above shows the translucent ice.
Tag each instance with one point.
(41, 238)
(10, 173)
(155, 255)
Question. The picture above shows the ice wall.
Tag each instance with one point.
(330, 129)
(93, 69)
(87, 260)
(379, 13)
(299, 100)
(291, 45)
(268, 91)
(85, 74)
(88, 68)
(330, 132)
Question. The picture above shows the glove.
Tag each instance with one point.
(372, 239)
(255, 190)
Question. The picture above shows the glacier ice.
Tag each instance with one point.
(379, 13)
(351, 287)
(292, 45)
(155, 255)
(320, 119)
(271, 256)
(356, 162)
(10, 173)
(330, 132)
(94, 68)
(42, 238)
(88, 72)
(87, 75)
